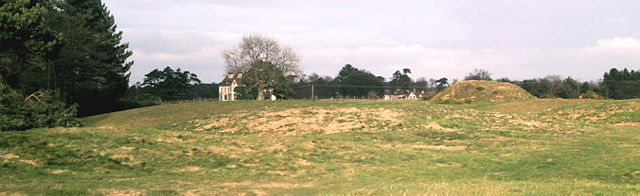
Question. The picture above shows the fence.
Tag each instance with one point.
(187, 101)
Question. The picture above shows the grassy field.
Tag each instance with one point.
(538, 146)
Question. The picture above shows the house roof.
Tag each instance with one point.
(228, 80)
(405, 92)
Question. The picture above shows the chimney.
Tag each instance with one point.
(239, 75)
(230, 76)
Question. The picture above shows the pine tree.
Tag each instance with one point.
(92, 70)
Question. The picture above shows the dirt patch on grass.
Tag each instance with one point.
(442, 147)
(227, 149)
(282, 185)
(59, 171)
(598, 112)
(121, 154)
(276, 147)
(436, 126)
(119, 192)
(32, 162)
(421, 146)
(260, 192)
(190, 169)
(452, 164)
(10, 156)
(204, 125)
(529, 123)
(169, 140)
(300, 121)
(216, 149)
(303, 162)
(632, 124)
(289, 174)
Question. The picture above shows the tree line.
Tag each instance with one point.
(168, 85)
(615, 84)
(269, 68)
(359, 83)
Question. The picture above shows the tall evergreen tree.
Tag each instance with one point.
(442, 83)
(622, 84)
(401, 80)
(92, 70)
(359, 82)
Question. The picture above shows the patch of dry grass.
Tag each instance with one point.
(300, 121)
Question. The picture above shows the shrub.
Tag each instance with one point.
(140, 100)
(40, 109)
(590, 94)
(428, 95)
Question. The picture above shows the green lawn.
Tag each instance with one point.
(533, 147)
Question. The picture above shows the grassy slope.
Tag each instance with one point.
(535, 146)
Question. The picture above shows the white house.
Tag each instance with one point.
(412, 95)
(399, 94)
(415, 94)
(227, 86)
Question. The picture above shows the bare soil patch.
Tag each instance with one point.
(119, 192)
(632, 124)
(269, 185)
(9, 156)
(123, 154)
(32, 162)
(436, 126)
(59, 171)
(421, 146)
(189, 169)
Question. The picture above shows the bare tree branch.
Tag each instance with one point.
(265, 59)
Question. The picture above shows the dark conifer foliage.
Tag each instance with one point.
(170, 84)
(622, 84)
(68, 52)
(92, 70)
(27, 44)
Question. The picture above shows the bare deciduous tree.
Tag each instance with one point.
(255, 52)
(478, 74)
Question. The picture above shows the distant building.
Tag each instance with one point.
(399, 94)
(415, 94)
(412, 95)
(227, 86)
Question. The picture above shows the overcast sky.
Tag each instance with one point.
(515, 39)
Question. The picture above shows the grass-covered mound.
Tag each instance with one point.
(479, 91)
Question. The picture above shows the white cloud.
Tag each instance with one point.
(619, 44)
(619, 20)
